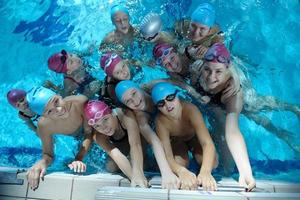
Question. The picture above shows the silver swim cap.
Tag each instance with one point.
(151, 25)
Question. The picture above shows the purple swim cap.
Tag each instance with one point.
(15, 95)
(108, 62)
(94, 110)
(57, 62)
(218, 53)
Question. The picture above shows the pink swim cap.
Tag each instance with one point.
(95, 110)
(109, 61)
(15, 95)
(57, 62)
(160, 49)
(217, 53)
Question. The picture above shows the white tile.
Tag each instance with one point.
(156, 180)
(271, 196)
(85, 187)
(286, 187)
(204, 195)
(11, 198)
(54, 186)
(131, 193)
(14, 190)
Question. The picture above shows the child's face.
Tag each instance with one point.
(198, 31)
(121, 71)
(121, 22)
(172, 63)
(73, 63)
(134, 99)
(22, 104)
(214, 74)
(106, 125)
(171, 106)
(57, 108)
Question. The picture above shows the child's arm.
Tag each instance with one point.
(238, 149)
(77, 165)
(169, 180)
(120, 159)
(38, 170)
(136, 152)
(188, 179)
(209, 153)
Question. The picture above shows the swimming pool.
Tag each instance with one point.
(263, 34)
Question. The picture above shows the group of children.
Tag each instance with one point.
(158, 99)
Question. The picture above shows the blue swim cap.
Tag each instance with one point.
(117, 8)
(38, 98)
(123, 86)
(204, 14)
(161, 90)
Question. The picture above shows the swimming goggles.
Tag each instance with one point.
(165, 53)
(109, 60)
(151, 37)
(97, 116)
(220, 58)
(170, 97)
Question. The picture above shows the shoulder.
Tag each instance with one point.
(45, 126)
(109, 37)
(80, 99)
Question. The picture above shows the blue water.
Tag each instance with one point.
(264, 34)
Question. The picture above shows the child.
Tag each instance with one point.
(17, 98)
(181, 128)
(58, 115)
(200, 33)
(114, 129)
(76, 77)
(122, 37)
(141, 104)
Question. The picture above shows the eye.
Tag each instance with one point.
(134, 93)
(49, 112)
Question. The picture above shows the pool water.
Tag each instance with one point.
(262, 34)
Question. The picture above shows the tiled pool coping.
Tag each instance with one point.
(105, 186)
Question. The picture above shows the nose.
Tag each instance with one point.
(212, 76)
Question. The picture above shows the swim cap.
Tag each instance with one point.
(123, 86)
(161, 90)
(217, 53)
(151, 25)
(204, 14)
(95, 110)
(57, 62)
(38, 98)
(108, 62)
(15, 95)
(117, 8)
(160, 49)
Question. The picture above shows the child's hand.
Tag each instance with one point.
(139, 180)
(207, 181)
(188, 180)
(34, 174)
(170, 181)
(247, 182)
(77, 166)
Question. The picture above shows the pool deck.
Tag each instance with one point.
(104, 186)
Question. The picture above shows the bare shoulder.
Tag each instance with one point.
(189, 107)
(80, 99)
(109, 37)
(44, 126)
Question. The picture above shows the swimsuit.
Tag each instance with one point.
(124, 130)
